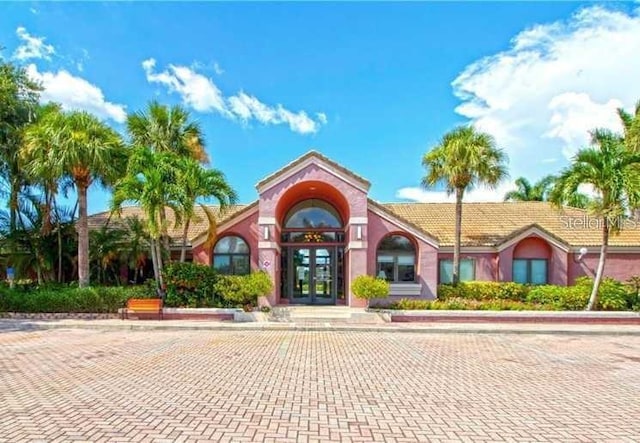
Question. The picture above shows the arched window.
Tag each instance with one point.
(531, 261)
(231, 256)
(396, 259)
(313, 214)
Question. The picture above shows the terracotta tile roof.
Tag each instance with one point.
(483, 224)
(199, 224)
(489, 224)
(306, 156)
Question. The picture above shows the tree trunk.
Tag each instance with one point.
(593, 299)
(159, 259)
(83, 237)
(59, 252)
(154, 260)
(183, 252)
(456, 245)
(163, 230)
(13, 207)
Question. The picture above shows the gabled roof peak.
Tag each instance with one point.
(313, 154)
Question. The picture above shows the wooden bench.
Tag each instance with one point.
(143, 306)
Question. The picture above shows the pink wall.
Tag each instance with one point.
(618, 266)
(356, 198)
(499, 266)
(535, 247)
(426, 263)
(532, 247)
(246, 228)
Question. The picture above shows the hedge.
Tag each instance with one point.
(483, 295)
(67, 299)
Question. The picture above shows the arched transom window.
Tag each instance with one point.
(396, 259)
(313, 214)
(231, 256)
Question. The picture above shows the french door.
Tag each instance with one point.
(312, 275)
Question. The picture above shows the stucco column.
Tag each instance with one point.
(506, 264)
(356, 265)
(268, 261)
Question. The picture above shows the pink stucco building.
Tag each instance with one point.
(314, 229)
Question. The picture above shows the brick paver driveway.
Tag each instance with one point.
(317, 386)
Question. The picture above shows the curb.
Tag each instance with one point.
(457, 328)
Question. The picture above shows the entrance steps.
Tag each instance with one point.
(323, 314)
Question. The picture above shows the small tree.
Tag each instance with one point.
(368, 287)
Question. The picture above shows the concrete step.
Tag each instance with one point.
(324, 314)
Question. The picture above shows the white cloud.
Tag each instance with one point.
(572, 112)
(32, 47)
(480, 194)
(218, 69)
(196, 90)
(200, 93)
(558, 80)
(76, 93)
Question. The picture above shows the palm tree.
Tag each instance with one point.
(631, 126)
(164, 129)
(106, 252)
(200, 183)
(151, 181)
(30, 247)
(463, 159)
(539, 191)
(527, 192)
(77, 146)
(612, 170)
(18, 101)
(137, 245)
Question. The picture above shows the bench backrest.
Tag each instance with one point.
(144, 304)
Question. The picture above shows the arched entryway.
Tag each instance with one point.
(312, 251)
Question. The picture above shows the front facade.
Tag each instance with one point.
(314, 229)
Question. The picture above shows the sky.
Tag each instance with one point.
(373, 86)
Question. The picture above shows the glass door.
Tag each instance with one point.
(323, 276)
(312, 275)
(301, 275)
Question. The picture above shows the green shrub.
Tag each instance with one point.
(410, 304)
(612, 294)
(368, 287)
(190, 285)
(484, 290)
(244, 290)
(68, 299)
(457, 303)
(570, 298)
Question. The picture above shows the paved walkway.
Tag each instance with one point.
(277, 385)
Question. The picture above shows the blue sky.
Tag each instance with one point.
(371, 85)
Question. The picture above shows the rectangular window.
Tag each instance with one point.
(396, 268)
(232, 264)
(241, 264)
(222, 264)
(530, 271)
(467, 270)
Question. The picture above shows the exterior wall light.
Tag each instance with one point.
(583, 251)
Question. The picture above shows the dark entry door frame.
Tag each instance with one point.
(312, 274)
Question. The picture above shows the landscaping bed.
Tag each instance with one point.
(508, 296)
